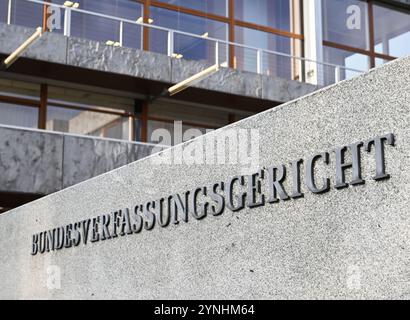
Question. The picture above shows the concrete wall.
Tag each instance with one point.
(83, 53)
(43, 162)
(351, 242)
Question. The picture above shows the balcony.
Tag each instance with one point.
(72, 21)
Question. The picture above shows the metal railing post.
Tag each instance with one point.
(301, 70)
(9, 12)
(121, 32)
(337, 74)
(217, 53)
(259, 61)
(170, 43)
(67, 22)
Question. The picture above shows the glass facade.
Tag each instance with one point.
(26, 14)
(365, 27)
(355, 29)
(3, 11)
(279, 14)
(276, 24)
(392, 32)
(18, 115)
(90, 113)
(217, 7)
(86, 113)
(105, 29)
(339, 29)
(86, 122)
(186, 46)
(163, 114)
(19, 89)
(271, 64)
(68, 110)
(348, 59)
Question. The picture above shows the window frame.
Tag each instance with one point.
(42, 103)
(371, 53)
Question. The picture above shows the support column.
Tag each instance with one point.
(231, 15)
(144, 122)
(141, 111)
(42, 114)
(45, 15)
(146, 30)
(231, 118)
(312, 11)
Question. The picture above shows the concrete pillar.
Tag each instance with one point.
(312, 10)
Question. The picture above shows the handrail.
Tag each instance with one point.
(173, 32)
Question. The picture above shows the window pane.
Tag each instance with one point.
(279, 14)
(188, 23)
(87, 99)
(132, 36)
(27, 14)
(264, 40)
(218, 7)
(127, 9)
(94, 28)
(188, 47)
(380, 62)
(16, 115)
(3, 10)
(392, 31)
(179, 111)
(19, 89)
(345, 59)
(346, 22)
(272, 64)
(87, 123)
(105, 29)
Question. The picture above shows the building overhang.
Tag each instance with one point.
(56, 58)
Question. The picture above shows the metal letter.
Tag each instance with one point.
(95, 235)
(85, 227)
(60, 238)
(219, 206)
(241, 196)
(43, 240)
(178, 207)
(161, 212)
(68, 242)
(341, 165)
(379, 148)
(137, 226)
(125, 223)
(105, 222)
(34, 246)
(115, 221)
(275, 184)
(194, 211)
(296, 193)
(50, 240)
(77, 236)
(254, 187)
(150, 222)
(310, 179)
